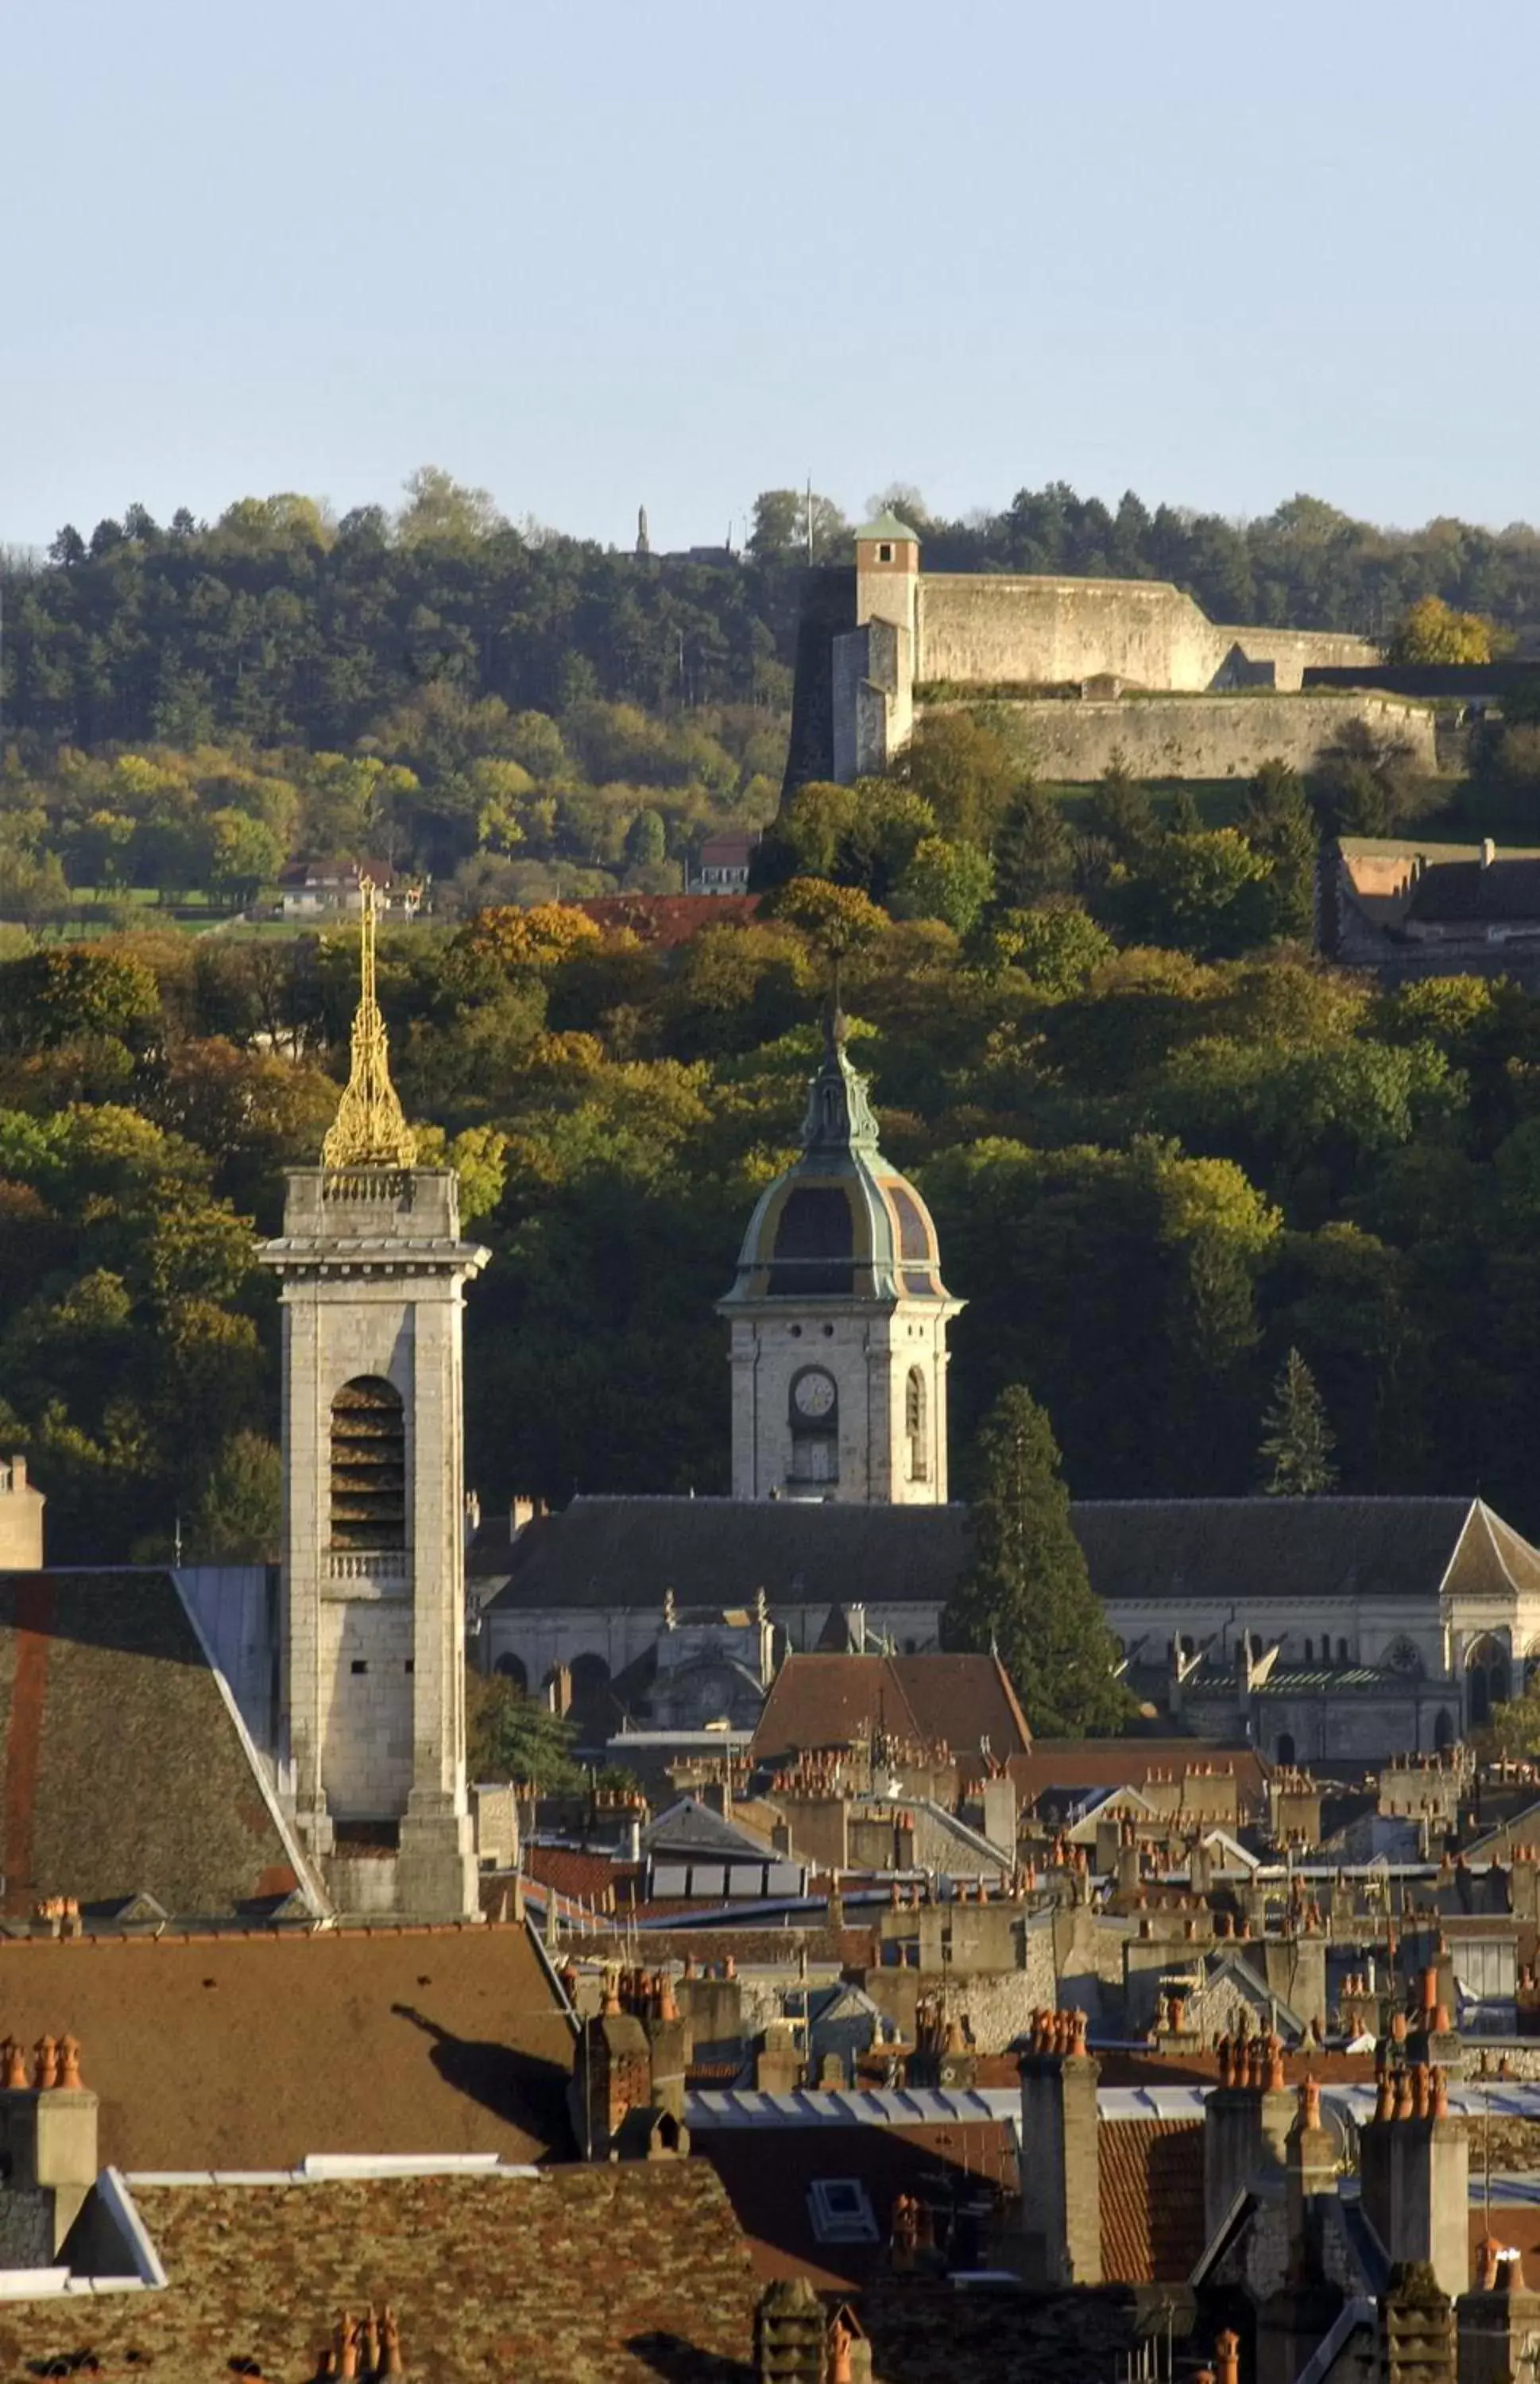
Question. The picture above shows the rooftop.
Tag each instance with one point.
(126, 1767)
(824, 1701)
(242, 2052)
(609, 2275)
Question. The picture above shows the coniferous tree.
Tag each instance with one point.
(1028, 1596)
(1033, 850)
(1297, 1439)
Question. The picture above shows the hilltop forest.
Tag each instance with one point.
(1165, 1147)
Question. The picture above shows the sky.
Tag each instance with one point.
(674, 251)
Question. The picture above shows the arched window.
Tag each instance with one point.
(1486, 1680)
(368, 1465)
(915, 1426)
(1342, 1651)
(512, 1669)
(1442, 1730)
(1309, 1655)
(1285, 1747)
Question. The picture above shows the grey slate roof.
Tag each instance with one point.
(1265, 1548)
(627, 1552)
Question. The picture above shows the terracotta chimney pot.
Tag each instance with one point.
(45, 2073)
(70, 2063)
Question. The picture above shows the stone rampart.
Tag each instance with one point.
(977, 629)
(1196, 737)
(1294, 652)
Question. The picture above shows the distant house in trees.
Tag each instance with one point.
(315, 889)
(1451, 909)
(725, 863)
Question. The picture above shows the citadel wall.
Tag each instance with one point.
(1196, 736)
(975, 627)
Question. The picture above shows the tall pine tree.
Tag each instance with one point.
(1297, 1439)
(1028, 1594)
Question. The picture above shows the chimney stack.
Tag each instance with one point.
(1060, 2182)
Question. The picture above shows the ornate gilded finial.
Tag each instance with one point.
(369, 1129)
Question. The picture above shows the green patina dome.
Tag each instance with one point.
(842, 1224)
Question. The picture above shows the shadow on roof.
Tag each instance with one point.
(523, 2089)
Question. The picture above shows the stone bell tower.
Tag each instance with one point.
(372, 1268)
(839, 1317)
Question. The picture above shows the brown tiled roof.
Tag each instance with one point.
(818, 1701)
(124, 1767)
(572, 1871)
(249, 2052)
(611, 2274)
(1150, 2173)
(1130, 1762)
(767, 2180)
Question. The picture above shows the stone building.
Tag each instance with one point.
(1075, 658)
(839, 1318)
(20, 1519)
(373, 1268)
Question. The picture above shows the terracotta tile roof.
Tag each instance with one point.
(123, 1766)
(249, 2052)
(1151, 2174)
(818, 1701)
(572, 1871)
(584, 2275)
(1130, 1762)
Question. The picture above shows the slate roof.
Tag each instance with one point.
(125, 1767)
(819, 1701)
(1261, 1548)
(1150, 2180)
(606, 2275)
(1459, 891)
(627, 1552)
(251, 2051)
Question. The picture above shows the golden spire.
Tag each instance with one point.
(369, 1129)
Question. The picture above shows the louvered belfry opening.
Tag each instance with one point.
(368, 1465)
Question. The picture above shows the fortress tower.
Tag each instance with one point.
(372, 1270)
(875, 665)
(839, 1318)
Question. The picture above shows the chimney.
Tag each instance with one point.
(614, 2075)
(48, 2134)
(1417, 2344)
(1246, 2120)
(1415, 2165)
(1497, 2319)
(790, 2328)
(1060, 2182)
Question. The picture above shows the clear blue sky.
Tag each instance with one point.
(676, 251)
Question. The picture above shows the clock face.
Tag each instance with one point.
(813, 1396)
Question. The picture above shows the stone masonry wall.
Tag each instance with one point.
(1199, 737)
(976, 628)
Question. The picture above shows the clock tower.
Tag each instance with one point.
(838, 1318)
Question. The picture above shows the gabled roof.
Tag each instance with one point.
(826, 1701)
(1194, 1549)
(127, 1769)
(1460, 890)
(689, 1826)
(627, 1552)
(251, 2051)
